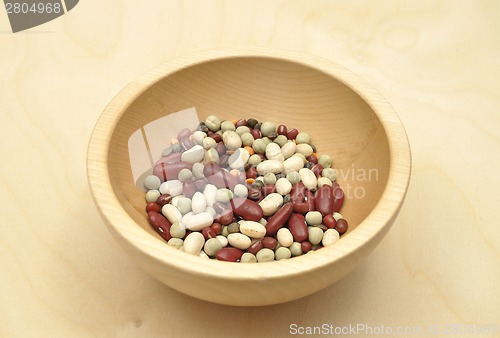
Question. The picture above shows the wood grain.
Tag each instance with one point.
(436, 62)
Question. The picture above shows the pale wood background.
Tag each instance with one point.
(437, 62)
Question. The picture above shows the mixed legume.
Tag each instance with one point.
(245, 191)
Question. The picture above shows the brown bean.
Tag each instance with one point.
(301, 207)
(341, 226)
(164, 199)
(317, 169)
(216, 137)
(329, 221)
(256, 133)
(324, 200)
(217, 228)
(160, 224)
(268, 189)
(226, 217)
(298, 192)
(338, 201)
(312, 159)
(298, 227)
(241, 122)
(153, 206)
(282, 130)
(306, 246)
(170, 171)
(278, 220)
(246, 209)
(208, 233)
(269, 242)
(292, 134)
(255, 247)
(310, 200)
(229, 254)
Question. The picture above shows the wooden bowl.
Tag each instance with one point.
(347, 118)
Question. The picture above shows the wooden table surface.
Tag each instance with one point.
(437, 272)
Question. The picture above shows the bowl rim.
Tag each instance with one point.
(125, 228)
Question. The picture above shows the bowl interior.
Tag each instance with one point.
(340, 122)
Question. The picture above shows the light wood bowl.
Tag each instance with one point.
(347, 118)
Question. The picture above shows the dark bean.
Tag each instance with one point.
(329, 221)
(255, 247)
(241, 122)
(341, 226)
(153, 206)
(164, 199)
(217, 138)
(272, 135)
(258, 125)
(287, 198)
(306, 246)
(312, 159)
(282, 129)
(208, 233)
(229, 254)
(252, 172)
(269, 242)
(268, 189)
(251, 122)
(313, 147)
(256, 133)
(292, 134)
(217, 228)
(280, 175)
(309, 165)
(254, 194)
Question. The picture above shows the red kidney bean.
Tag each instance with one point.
(335, 184)
(312, 159)
(298, 192)
(292, 134)
(160, 224)
(298, 227)
(219, 177)
(268, 189)
(269, 242)
(278, 220)
(317, 169)
(256, 133)
(226, 217)
(229, 254)
(324, 200)
(338, 195)
(170, 171)
(217, 228)
(282, 130)
(246, 209)
(329, 221)
(310, 200)
(164, 199)
(255, 247)
(262, 157)
(184, 133)
(306, 246)
(217, 138)
(153, 206)
(221, 148)
(189, 188)
(208, 233)
(251, 172)
(241, 122)
(186, 143)
(341, 226)
(301, 207)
